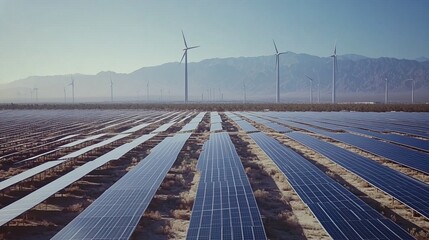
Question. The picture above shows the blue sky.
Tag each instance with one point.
(44, 37)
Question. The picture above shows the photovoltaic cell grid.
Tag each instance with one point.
(394, 153)
(407, 190)
(116, 213)
(192, 125)
(400, 139)
(397, 154)
(24, 204)
(342, 214)
(215, 122)
(244, 125)
(225, 207)
(276, 127)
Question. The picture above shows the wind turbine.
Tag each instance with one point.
(412, 88)
(334, 70)
(185, 55)
(278, 71)
(111, 88)
(72, 84)
(65, 95)
(386, 92)
(147, 90)
(244, 92)
(35, 89)
(311, 89)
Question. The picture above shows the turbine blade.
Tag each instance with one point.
(335, 48)
(184, 40)
(275, 46)
(308, 77)
(192, 47)
(282, 53)
(183, 56)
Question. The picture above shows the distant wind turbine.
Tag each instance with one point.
(334, 70)
(35, 89)
(111, 88)
(65, 95)
(72, 84)
(244, 92)
(147, 91)
(185, 55)
(412, 88)
(278, 72)
(386, 92)
(311, 89)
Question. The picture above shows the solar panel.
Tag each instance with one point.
(267, 123)
(405, 189)
(394, 153)
(342, 214)
(193, 124)
(116, 213)
(244, 125)
(215, 122)
(224, 207)
(28, 173)
(24, 204)
(77, 142)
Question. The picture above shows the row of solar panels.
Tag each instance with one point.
(407, 190)
(341, 213)
(224, 207)
(22, 205)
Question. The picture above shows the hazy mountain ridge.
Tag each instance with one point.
(356, 74)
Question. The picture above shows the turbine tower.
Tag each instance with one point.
(277, 54)
(311, 89)
(386, 92)
(334, 70)
(111, 88)
(72, 84)
(35, 89)
(244, 92)
(185, 55)
(412, 89)
(65, 95)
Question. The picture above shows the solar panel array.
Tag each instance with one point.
(405, 189)
(193, 124)
(116, 213)
(24, 204)
(216, 122)
(342, 214)
(244, 125)
(397, 154)
(400, 139)
(276, 127)
(225, 207)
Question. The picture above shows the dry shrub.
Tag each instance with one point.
(180, 214)
(77, 207)
(187, 199)
(290, 219)
(261, 194)
(364, 184)
(154, 215)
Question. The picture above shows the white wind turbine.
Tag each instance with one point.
(334, 72)
(386, 92)
(185, 55)
(277, 54)
(311, 88)
(72, 84)
(111, 88)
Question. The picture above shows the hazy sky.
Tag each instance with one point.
(44, 37)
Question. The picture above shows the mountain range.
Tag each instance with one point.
(359, 79)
